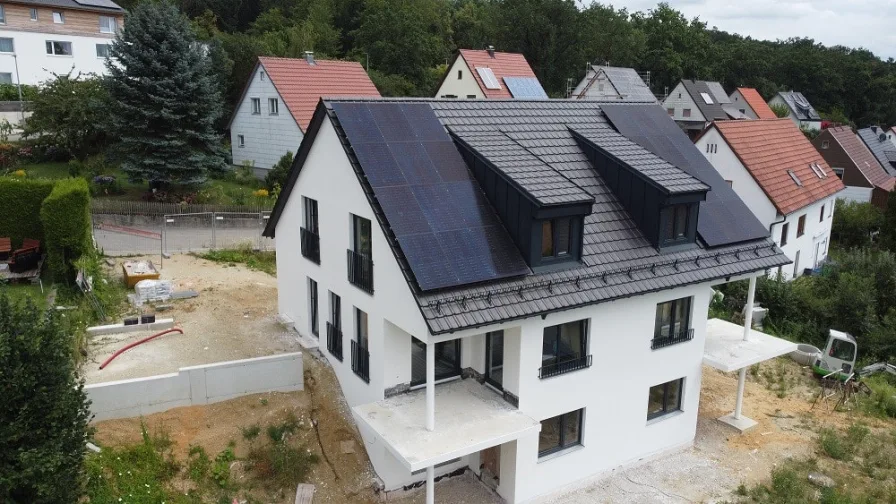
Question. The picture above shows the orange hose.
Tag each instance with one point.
(132, 345)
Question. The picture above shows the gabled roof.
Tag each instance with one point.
(710, 111)
(302, 84)
(770, 149)
(755, 101)
(879, 147)
(718, 92)
(860, 155)
(502, 64)
(626, 81)
(800, 106)
(617, 259)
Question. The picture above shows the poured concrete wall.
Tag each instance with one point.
(194, 385)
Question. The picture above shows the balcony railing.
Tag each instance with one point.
(360, 271)
(310, 245)
(360, 361)
(334, 341)
(672, 339)
(567, 366)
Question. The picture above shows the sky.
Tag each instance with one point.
(851, 23)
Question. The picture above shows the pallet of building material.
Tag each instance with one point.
(304, 493)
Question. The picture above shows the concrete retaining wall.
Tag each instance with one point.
(195, 385)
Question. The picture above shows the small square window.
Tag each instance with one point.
(670, 111)
(664, 399)
(108, 24)
(560, 432)
(5, 78)
(241, 141)
(58, 17)
(102, 50)
(825, 144)
(7, 45)
(686, 112)
(273, 106)
(33, 14)
(730, 183)
(256, 106)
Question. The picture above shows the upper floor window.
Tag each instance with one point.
(672, 323)
(310, 215)
(5, 78)
(360, 262)
(240, 141)
(261, 75)
(256, 105)
(560, 432)
(361, 239)
(103, 50)
(801, 226)
(310, 238)
(675, 224)
(6, 45)
(821, 215)
(58, 17)
(664, 398)
(785, 230)
(686, 112)
(33, 14)
(2, 15)
(670, 111)
(108, 24)
(58, 48)
(313, 306)
(564, 349)
(273, 106)
(555, 238)
(825, 144)
(460, 74)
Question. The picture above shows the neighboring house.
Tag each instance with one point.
(277, 103)
(849, 157)
(787, 184)
(613, 83)
(41, 37)
(695, 104)
(490, 74)
(891, 136)
(875, 138)
(801, 111)
(749, 102)
(462, 261)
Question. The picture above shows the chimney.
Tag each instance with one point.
(874, 129)
(309, 57)
(491, 50)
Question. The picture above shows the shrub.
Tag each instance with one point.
(9, 157)
(66, 218)
(854, 222)
(279, 172)
(20, 201)
(43, 421)
(843, 447)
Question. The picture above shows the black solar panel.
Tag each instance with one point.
(446, 229)
(724, 218)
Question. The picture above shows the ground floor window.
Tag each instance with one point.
(664, 398)
(312, 297)
(560, 432)
(447, 360)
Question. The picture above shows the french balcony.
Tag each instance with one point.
(360, 361)
(360, 271)
(310, 245)
(672, 339)
(334, 341)
(565, 366)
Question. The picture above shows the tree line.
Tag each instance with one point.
(407, 43)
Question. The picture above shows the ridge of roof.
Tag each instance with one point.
(502, 64)
(772, 148)
(73, 4)
(710, 111)
(871, 138)
(859, 154)
(757, 103)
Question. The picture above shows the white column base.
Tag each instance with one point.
(742, 424)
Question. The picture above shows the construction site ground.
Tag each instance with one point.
(779, 396)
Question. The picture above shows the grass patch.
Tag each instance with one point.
(882, 401)
(18, 293)
(253, 259)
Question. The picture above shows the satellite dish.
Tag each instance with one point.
(882, 137)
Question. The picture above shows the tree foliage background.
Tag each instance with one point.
(407, 43)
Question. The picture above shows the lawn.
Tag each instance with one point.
(20, 292)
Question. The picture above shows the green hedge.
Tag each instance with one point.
(20, 202)
(67, 230)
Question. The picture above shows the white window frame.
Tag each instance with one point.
(240, 141)
(33, 14)
(58, 17)
(108, 50)
(256, 106)
(273, 106)
(113, 26)
(12, 42)
(2, 15)
(71, 48)
(706, 98)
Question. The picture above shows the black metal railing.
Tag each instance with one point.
(360, 361)
(310, 245)
(672, 339)
(334, 341)
(566, 366)
(360, 271)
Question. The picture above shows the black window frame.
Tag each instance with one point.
(821, 215)
(360, 347)
(454, 372)
(558, 366)
(310, 215)
(686, 333)
(562, 443)
(334, 325)
(314, 306)
(357, 236)
(667, 408)
(785, 230)
(460, 74)
(801, 226)
(557, 226)
(680, 232)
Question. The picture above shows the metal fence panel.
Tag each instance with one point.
(118, 234)
(194, 232)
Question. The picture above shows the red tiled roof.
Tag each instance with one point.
(502, 64)
(769, 148)
(755, 101)
(302, 85)
(856, 149)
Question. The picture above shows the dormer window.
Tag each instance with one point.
(555, 238)
(675, 228)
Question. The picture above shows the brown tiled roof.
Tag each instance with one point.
(755, 101)
(503, 64)
(860, 155)
(302, 85)
(769, 149)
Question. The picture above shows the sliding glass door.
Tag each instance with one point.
(447, 360)
(494, 358)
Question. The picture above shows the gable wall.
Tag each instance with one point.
(464, 87)
(679, 99)
(737, 99)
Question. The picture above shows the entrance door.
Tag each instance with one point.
(490, 464)
(494, 358)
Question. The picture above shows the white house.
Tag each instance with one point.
(784, 180)
(613, 83)
(801, 111)
(279, 99)
(749, 102)
(695, 104)
(489, 73)
(490, 293)
(41, 37)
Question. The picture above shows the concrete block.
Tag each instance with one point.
(742, 424)
(158, 325)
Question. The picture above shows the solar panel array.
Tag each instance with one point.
(525, 87)
(445, 226)
(629, 84)
(488, 78)
(724, 218)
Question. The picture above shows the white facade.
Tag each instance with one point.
(602, 88)
(806, 250)
(459, 82)
(259, 137)
(809, 125)
(681, 106)
(737, 99)
(36, 66)
(615, 428)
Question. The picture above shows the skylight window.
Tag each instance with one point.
(706, 98)
(818, 170)
(796, 179)
(488, 78)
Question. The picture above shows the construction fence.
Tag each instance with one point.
(137, 227)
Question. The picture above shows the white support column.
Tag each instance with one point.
(430, 485)
(430, 387)
(739, 402)
(748, 310)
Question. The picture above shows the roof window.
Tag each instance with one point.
(818, 170)
(488, 78)
(796, 179)
(706, 98)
